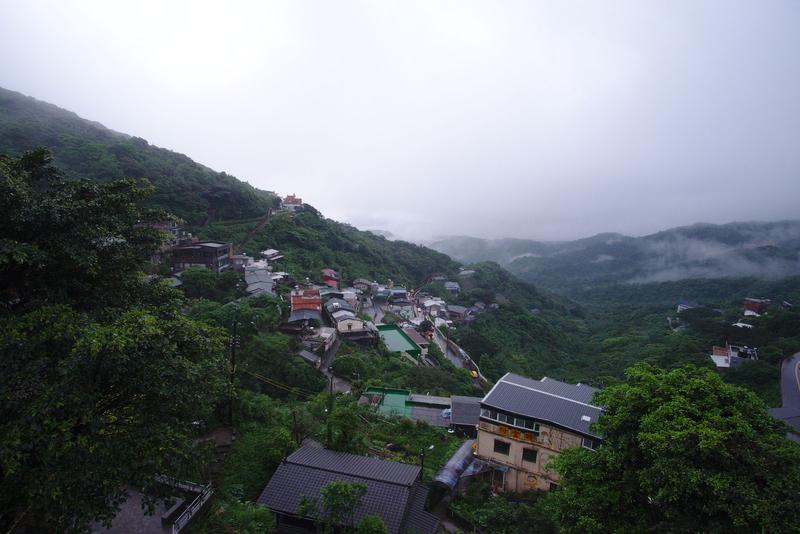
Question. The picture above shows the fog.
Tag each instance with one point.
(550, 120)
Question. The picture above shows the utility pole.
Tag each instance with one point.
(328, 432)
(421, 464)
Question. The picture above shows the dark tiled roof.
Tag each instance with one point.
(308, 356)
(304, 315)
(578, 392)
(548, 400)
(417, 519)
(392, 491)
(336, 304)
(353, 464)
(466, 410)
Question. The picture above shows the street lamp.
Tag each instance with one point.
(422, 461)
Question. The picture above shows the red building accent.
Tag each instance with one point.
(756, 305)
(306, 299)
(330, 278)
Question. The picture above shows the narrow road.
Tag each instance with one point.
(454, 357)
(375, 312)
(340, 385)
(330, 355)
(789, 413)
(790, 382)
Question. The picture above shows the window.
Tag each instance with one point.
(501, 447)
(503, 418)
(529, 455)
(590, 444)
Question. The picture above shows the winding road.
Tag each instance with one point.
(789, 413)
(452, 356)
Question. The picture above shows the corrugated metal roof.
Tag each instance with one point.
(466, 410)
(578, 392)
(548, 400)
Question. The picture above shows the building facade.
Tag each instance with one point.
(213, 255)
(525, 423)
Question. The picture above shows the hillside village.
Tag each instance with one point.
(323, 378)
(507, 432)
(505, 438)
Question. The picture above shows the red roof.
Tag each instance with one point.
(291, 199)
(306, 299)
(720, 351)
(756, 305)
(415, 336)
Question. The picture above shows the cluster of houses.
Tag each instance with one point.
(513, 433)
(732, 355)
(727, 356)
(314, 304)
(444, 313)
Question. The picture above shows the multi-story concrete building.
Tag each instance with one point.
(524, 423)
(214, 255)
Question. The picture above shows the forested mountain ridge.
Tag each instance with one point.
(768, 250)
(82, 148)
(309, 242)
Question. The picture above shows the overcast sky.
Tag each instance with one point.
(546, 120)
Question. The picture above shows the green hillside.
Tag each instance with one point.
(82, 148)
(597, 269)
(310, 242)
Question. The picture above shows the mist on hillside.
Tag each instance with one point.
(765, 250)
(536, 120)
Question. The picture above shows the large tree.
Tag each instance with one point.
(683, 451)
(102, 373)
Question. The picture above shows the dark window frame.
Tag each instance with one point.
(527, 451)
(503, 445)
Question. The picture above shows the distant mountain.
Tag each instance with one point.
(84, 148)
(701, 251)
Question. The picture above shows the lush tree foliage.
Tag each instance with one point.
(377, 366)
(503, 514)
(336, 506)
(88, 150)
(198, 282)
(705, 260)
(311, 242)
(231, 516)
(262, 351)
(102, 373)
(683, 452)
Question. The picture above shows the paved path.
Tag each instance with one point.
(330, 355)
(340, 385)
(454, 357)
(789, 413)
(790, 382)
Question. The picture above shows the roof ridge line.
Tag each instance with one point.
(551, 394)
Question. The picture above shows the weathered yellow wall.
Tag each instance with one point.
(525, 475)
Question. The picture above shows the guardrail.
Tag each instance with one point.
(195, 506)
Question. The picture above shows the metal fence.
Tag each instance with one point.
(195, 506)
